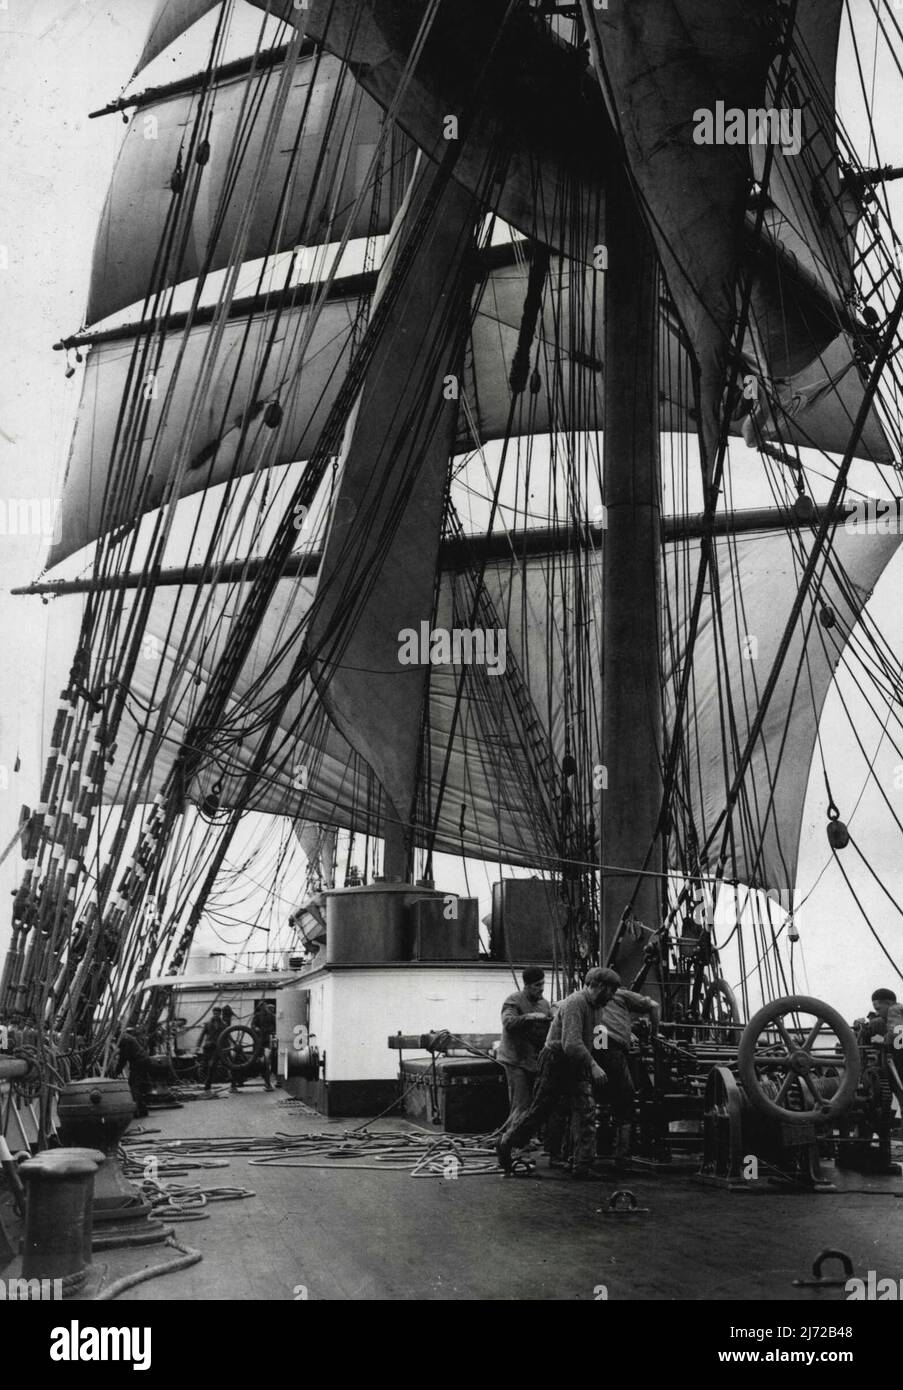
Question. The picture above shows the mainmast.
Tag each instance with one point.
(631, 579)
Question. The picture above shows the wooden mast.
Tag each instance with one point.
(631, 577)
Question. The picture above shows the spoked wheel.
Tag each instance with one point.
(786, 1055)
(721, 1010)
(240, 1049)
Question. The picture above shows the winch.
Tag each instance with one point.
(94, 1114)
(773, 1098)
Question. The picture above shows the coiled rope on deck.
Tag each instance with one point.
(399, 1151)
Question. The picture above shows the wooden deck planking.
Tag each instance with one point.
(386, 1236)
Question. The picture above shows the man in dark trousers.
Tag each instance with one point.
(566, 1070)
(264, 1023)
(526, 1019)
(611, 1040)
(133, 1052)
(209, 1038)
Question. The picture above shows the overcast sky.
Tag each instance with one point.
(61, 60)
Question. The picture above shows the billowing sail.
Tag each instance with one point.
(809, 385)
(259, 361)
(817, 407)
(522, 102)
(170, 20)
(383, 545)
(442, 658)
(805, 185)
(759, 576)
(661, 67)
(490, 805)
(812, 407)
(316, 187)
(490, 801)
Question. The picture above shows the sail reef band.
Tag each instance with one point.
(552, 1070)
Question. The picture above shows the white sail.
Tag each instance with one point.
(383, 544)
(488, 806)
(170, 20)
(312, 772)
(817, 404)
(805, 184)
(758, 578)
(311, 191)
(658, 67)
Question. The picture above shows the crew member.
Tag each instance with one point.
(209, 1038)
(566, 1069)
(133, 1052)
(611, 1039)
(886, 1023)
(526, 1018)
(234, 1081)
(264, 1023)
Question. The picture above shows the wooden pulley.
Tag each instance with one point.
(211, 802)
(838, 835)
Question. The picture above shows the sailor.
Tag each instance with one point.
(611, 1043)
(885, 1024)
(264, 1023)
(235, 1082)
(526, 1018)
(566, 1069)
(209, 1038)
(133, 1052)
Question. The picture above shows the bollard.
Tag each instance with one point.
(57, 1211)
(94, 1156)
